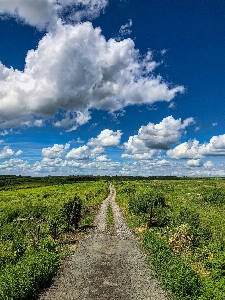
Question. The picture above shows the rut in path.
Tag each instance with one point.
(106, 266)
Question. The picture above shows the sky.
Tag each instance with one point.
(112, 87)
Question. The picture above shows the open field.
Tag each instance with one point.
(186, 236)
(36, 231)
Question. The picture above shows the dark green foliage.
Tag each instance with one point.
(200, 234)
(21, 281)
(72, 212)
(141, 202)
(176, 274)
(215, 196)
(32, 223)
(152, 204)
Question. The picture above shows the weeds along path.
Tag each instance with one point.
(106, 266)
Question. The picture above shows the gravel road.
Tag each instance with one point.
(106, 266)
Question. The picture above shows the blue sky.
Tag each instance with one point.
(116, 87)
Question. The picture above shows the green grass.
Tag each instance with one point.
(187, 248)
(29, 219)
(109, 218)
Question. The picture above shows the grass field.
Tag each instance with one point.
(36, 224)
(186, 236)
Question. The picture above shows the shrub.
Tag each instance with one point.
(174, 272)
(215, 196)
(21, 281)
(141, 202)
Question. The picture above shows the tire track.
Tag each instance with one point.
(106, 266)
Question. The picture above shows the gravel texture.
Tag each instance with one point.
(106, 266)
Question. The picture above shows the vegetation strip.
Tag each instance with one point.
(109, 218)
(36, 227)
(185, 239)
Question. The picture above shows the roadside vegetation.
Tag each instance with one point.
(39, 225)
(109, 219)
(181, 224)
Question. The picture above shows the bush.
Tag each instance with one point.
(23, 280)
(141, 202)
(215, 196)
(174, 272)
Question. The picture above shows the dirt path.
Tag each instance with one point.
(106, 266)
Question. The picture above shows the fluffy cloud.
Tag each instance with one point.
(194, 163)
(208, 164)
(81, 153)
(6, 152)
(106, 138)
(55, 151)
(140, 156)
(193, 149)
(102, 158)
(75, 70)
(43, 13)
(15, 164)
(185, 150)
(154, 137)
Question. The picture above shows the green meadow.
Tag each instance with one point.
(181, 225)
(37, 230)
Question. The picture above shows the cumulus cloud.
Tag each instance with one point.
(38, 123)
(46, 13)
(194, 163)
(6, 152)
(55, 151)
(208, 164)
(102, 158)
(80, 153)
(154, 137)
(140, 156)
(74, 70)
(15, 164)
(185, 150)
(193, 149)
(106, 138)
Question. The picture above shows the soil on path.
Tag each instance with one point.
(106, 266)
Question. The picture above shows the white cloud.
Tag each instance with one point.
(46, 13)
(140, 156)
(107, 138)
(163, 162)
(126, 29)
(96, 151)
(214, 124)
(102, 158)
(55, 151)
(19, 152)
(172, 105)
(38, 123)
(193, 149)
(15, 165)
(3, 133)
(81, 153)
(6, 152)
(194, 163)
(154, 137)
(75, 69)
(73, 119)
(208, 164)
(185, 150)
